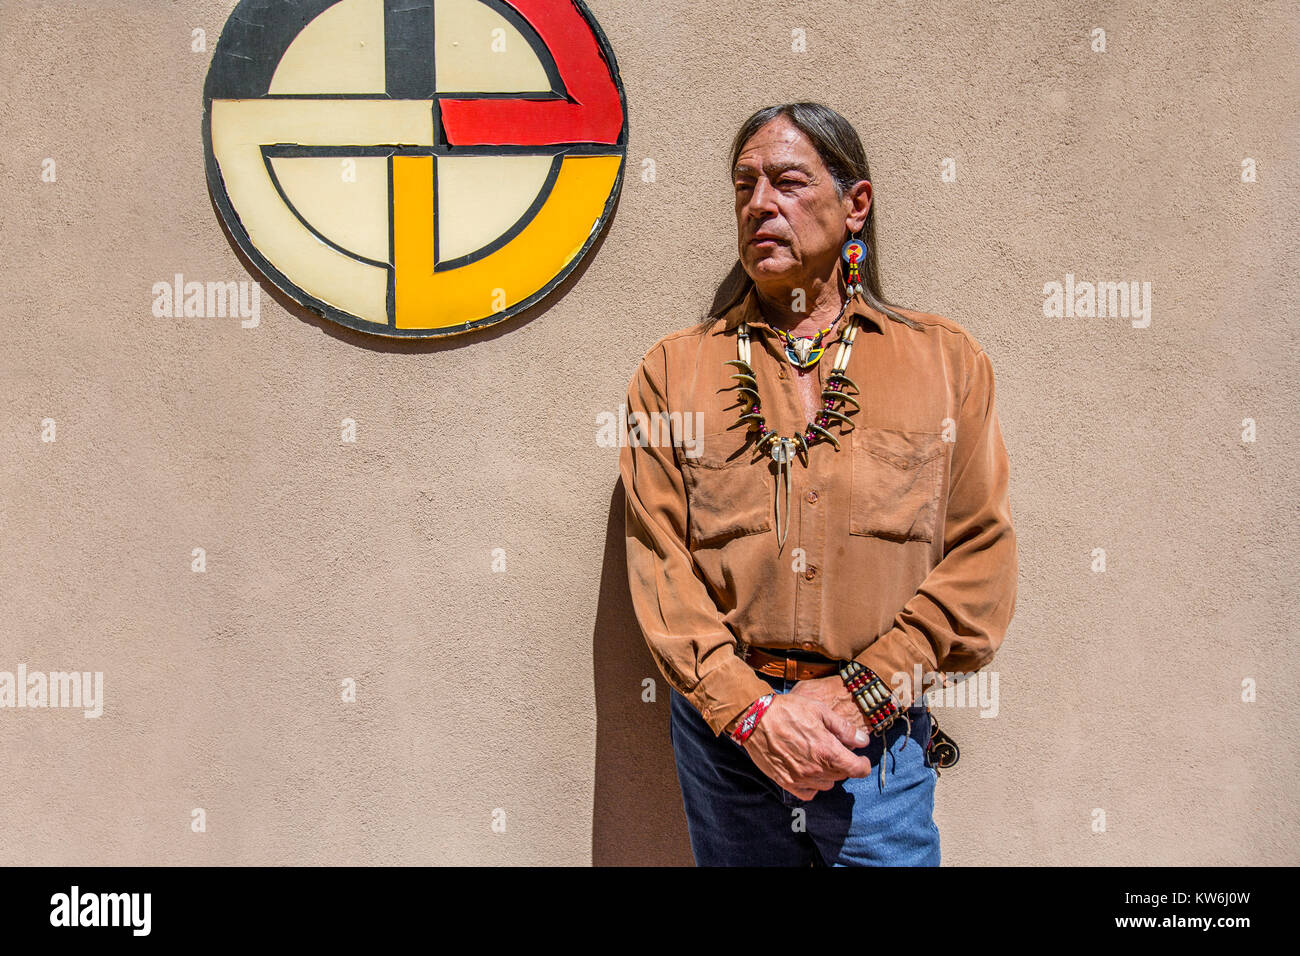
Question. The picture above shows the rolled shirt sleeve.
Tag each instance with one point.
(688, 639)
(961, 611)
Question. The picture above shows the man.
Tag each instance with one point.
(878, 533)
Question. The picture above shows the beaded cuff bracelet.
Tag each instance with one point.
(871, 695)
(749, 720)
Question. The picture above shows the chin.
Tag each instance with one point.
(770, 267)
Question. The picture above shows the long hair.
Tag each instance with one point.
(839, 147)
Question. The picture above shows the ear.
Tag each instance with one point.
(857, 204)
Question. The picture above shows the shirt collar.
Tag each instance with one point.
(747, 310)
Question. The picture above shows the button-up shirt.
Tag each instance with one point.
(899, 551)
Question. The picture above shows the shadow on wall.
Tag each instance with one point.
(637, 815)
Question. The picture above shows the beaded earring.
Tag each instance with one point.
(854, 254)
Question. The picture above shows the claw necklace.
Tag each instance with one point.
(783, 449)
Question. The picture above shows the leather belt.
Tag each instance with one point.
(777, 662)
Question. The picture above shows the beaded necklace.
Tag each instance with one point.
(806, 351)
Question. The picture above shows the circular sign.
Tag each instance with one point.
(414, 168)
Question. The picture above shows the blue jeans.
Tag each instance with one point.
(738, 816)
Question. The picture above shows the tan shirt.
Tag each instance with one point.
(900, 550)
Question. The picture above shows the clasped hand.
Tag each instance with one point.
(805, 740)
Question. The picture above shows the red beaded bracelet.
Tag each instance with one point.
(749, 720)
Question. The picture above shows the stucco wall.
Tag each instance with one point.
(520, 690)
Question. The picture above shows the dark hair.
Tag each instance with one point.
(839, 147)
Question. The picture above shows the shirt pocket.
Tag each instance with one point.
(728, 492)
(897, 481)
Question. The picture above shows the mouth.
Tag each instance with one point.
(766, 242)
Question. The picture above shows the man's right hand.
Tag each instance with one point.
(805, 747)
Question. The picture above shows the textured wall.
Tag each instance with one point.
(1120, 689)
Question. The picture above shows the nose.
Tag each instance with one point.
(762, 200)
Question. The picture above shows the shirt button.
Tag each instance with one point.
(808, 645)
(780, 373)
(812, 497)
(810, 574)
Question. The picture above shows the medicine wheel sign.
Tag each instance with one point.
(414, 168)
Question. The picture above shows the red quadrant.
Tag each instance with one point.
(596, 117)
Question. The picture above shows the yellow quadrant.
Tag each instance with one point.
(428, 299)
